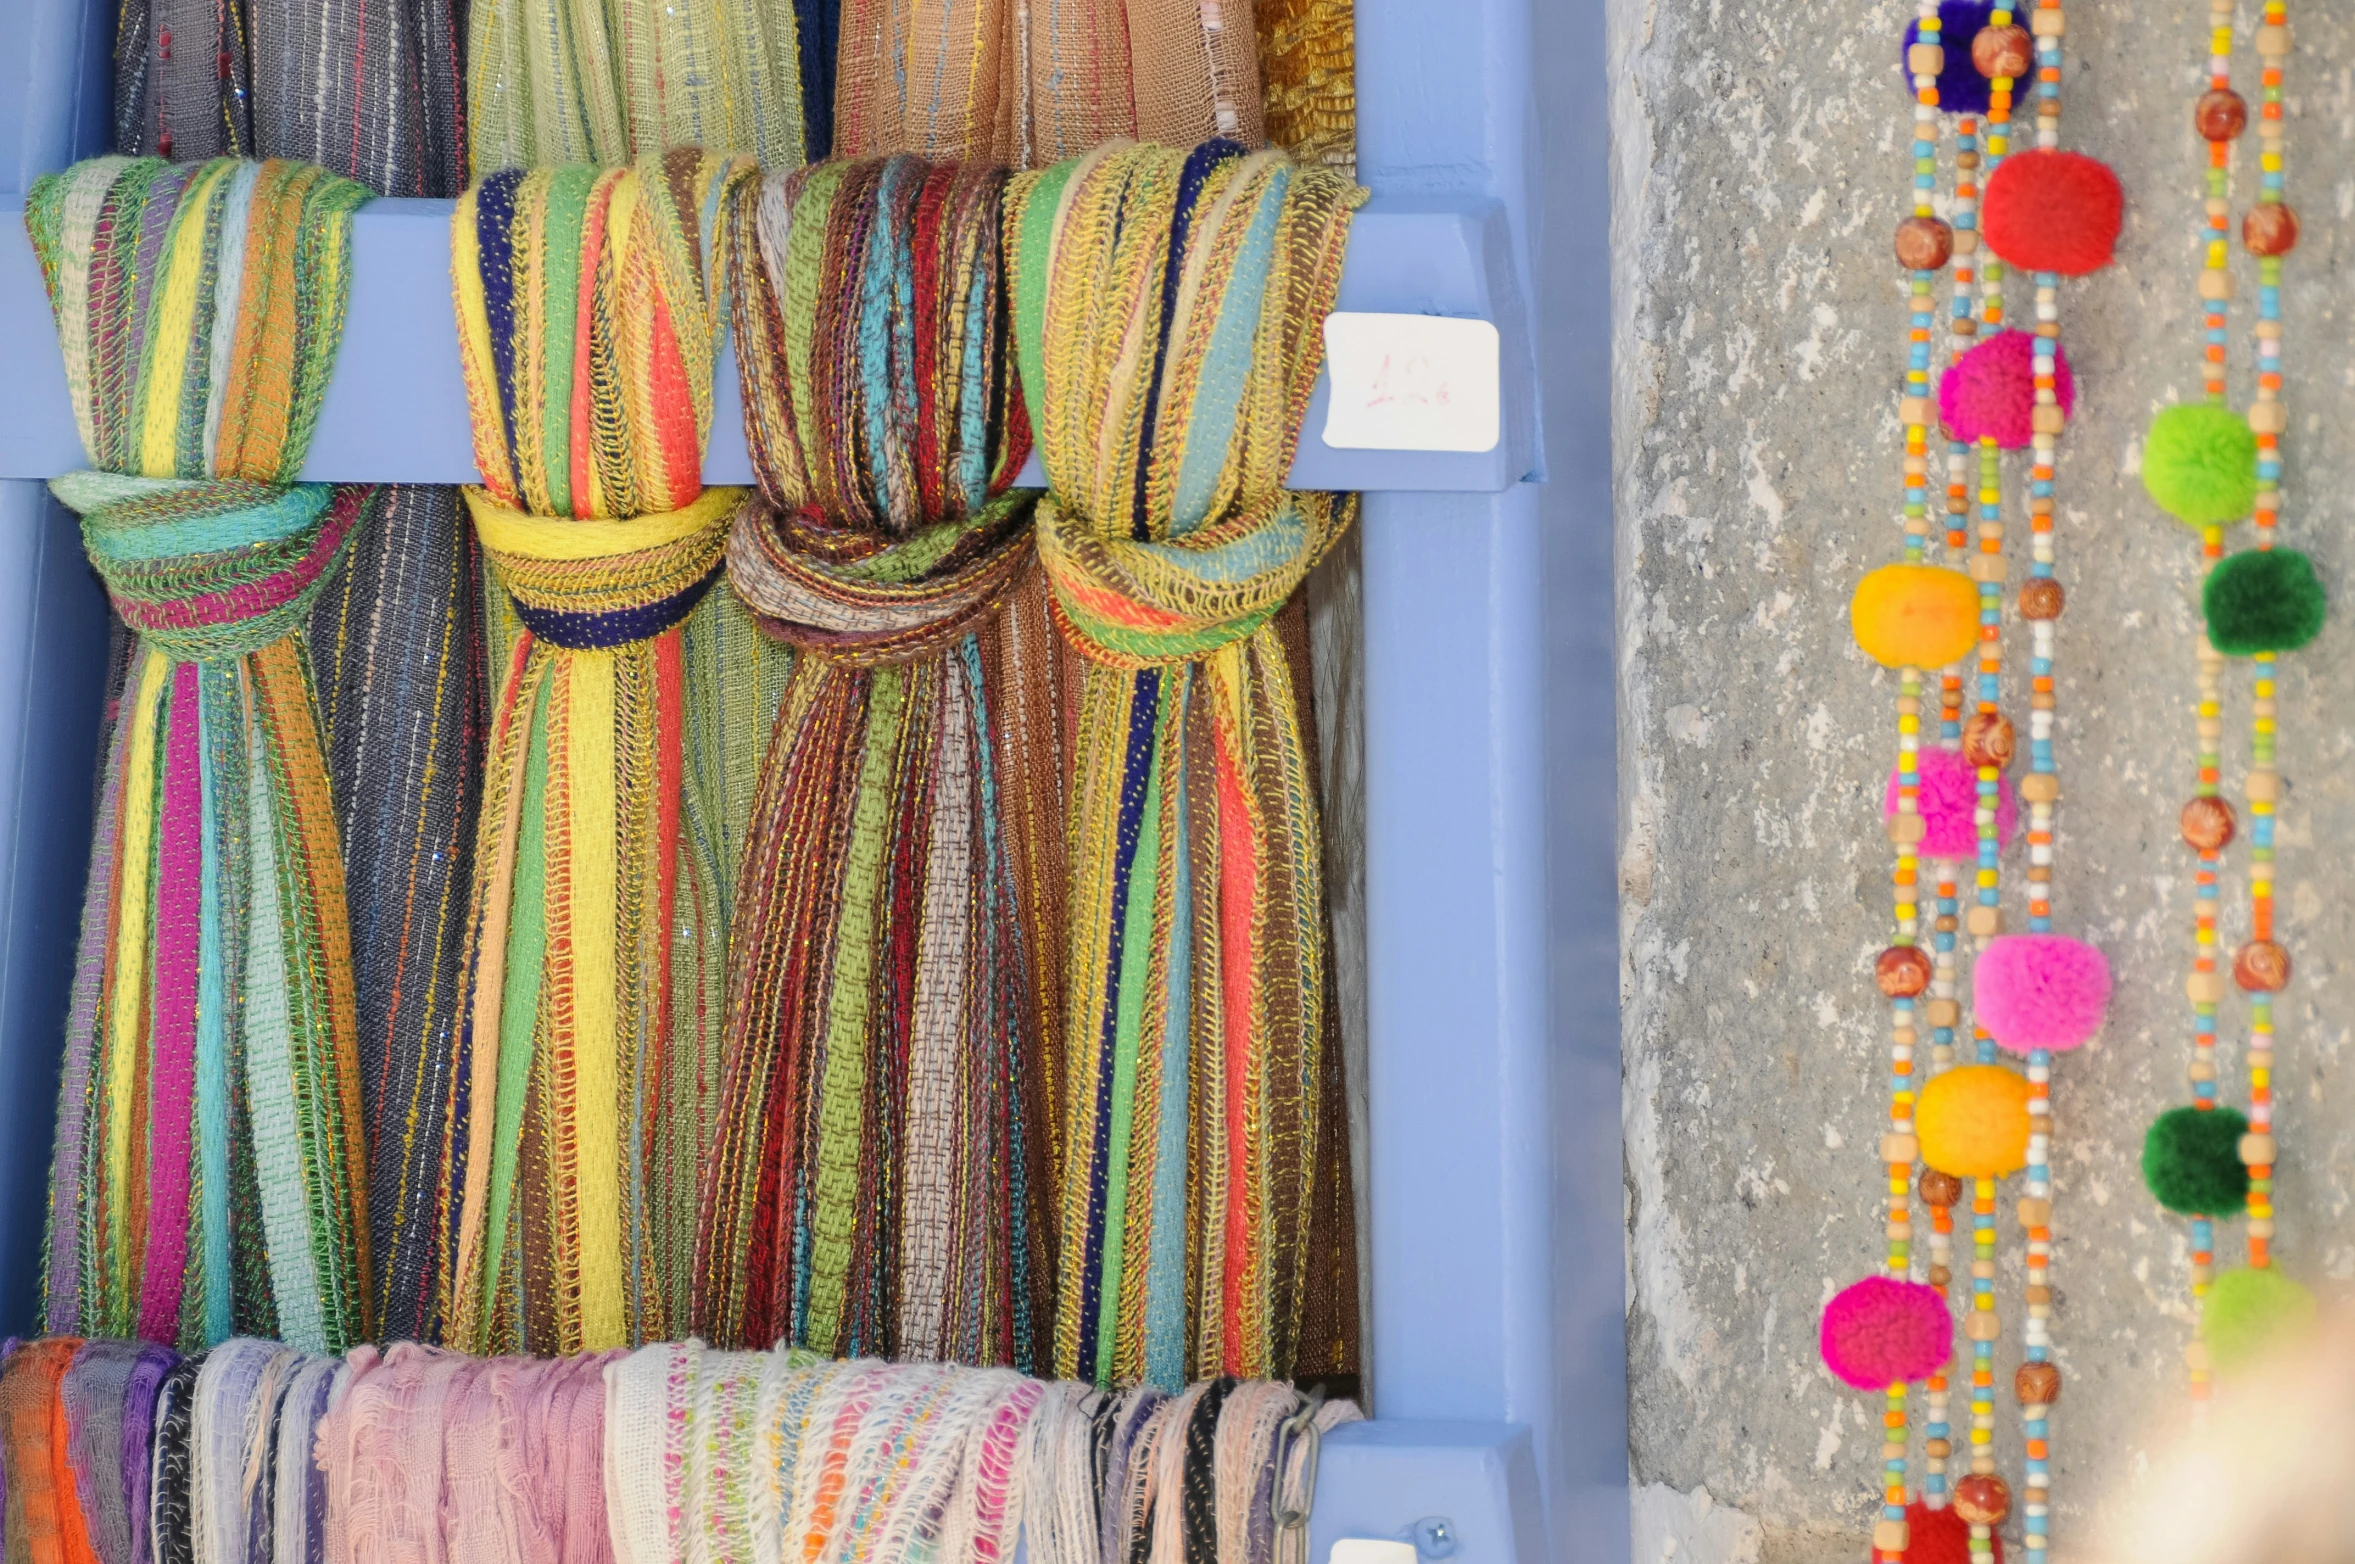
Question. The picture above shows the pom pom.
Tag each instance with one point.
(1990, 392)
(2052, 212)
(2201, 464)
(1915, 616)
(1882, 1331)
(2265, 600)
(2250, 1313)
(1948, 801)
(1973, 1122)
(2191, 1159)
(1940, 1536)
(1961, 89)
(2040, 991)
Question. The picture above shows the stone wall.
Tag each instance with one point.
(1761, 163)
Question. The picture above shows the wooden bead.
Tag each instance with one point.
(2256, 1151)
(1905, 829)
(2216, 286)
(2264, 787)
(2047, 418)
(1992, 568)
(2195, 1356)
(1987, 740)
(2040, 787)
(1943, 1012)
(2221, 114)
(2034, 1211)
(2041, 597)
(1924, 243)
(2204, 988)
(1983, 1325)
(1939, 1189)
(1982, 1499)
(1889, 1536)
(1900, 1150)
(1986, 922)
(2207, 824)
(1938, 1449)
(1925, 59)
(1902, 971)
(2271, 228)
(2273, 40)
(2261, 967)
(2048, 24)
(2267, 416)
(2005, 52)
(2037, 1384)
(1940, 1276)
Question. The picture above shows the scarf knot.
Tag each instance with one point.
(210, 568)
(591, 586)
(1148, 603)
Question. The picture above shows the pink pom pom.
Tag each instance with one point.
(2040, 991)
(1948, 799)
(1881, 1331)
(1991, 390)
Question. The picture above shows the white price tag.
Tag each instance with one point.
(1369, 1550)
(1411, 383)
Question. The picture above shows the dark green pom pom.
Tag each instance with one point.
(2263, 601)
(2191, 1159)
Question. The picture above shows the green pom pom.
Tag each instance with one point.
(2249, 1312)
(2191, 1160)
(2202, 464)
(2263, 601)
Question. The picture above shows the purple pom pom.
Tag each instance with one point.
(1880, 1332)
(1991, 390)
(1949, 801)
(1961, 89)
(2040, 991)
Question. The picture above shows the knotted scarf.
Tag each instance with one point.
(1170, 310)
(589, 307)
(1028, 83)
(209, 1169)
(873, 1187)
(604, 81)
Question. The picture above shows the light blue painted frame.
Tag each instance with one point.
(1496, 1357)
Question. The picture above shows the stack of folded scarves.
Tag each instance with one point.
(127, 1453)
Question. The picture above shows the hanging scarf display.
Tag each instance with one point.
(1308, 59)
(876, 1186)
(208, 1168)
(1169, 309)
(605, 81)
(589, 309)
(1024, 84)
(371, 91)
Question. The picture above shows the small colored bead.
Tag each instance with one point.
(2207, 824)
(1988, 740)
(2221, 115)
(1982, 1499)
(2042, 598)
(2271, 228)
(1940, 1189)
(2037, 1384)
(1924, 244)
(2003, 52)
(2262, 966)
(1902, 971)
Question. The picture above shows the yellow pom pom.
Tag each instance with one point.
(1915, 616)
(1973, 1122)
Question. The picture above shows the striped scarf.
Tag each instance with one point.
(1031, 82)
(589, 308)
(872, 1191)
(208, 1146)
(1169, 310)
(603, 81)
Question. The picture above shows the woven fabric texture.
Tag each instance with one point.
(209, 1172)
(606, 81)
(873, 1189)
(1196, 1012)
(590, 304)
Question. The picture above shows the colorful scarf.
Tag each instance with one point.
(109, 1396)
(208, 1145)
(873, 1186)
(589, 309)
(1308, 57)
(605, 81)
(44, 1520)
(1169, 309)
(1031, 82)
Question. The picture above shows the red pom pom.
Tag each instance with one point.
(2053, 212)
(1940, 1536)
